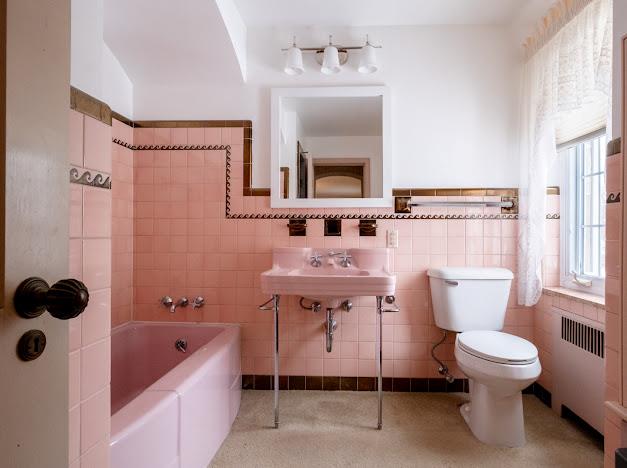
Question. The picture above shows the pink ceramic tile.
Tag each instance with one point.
(96, 212)
(74, 378)
(76, 259)
(97, 317)
(95, 367)
(97, 152)
(97, 263)
(76, 138)
(76, 211)
(74, 440)
(74, 340)
(98, 456)
(95, 419)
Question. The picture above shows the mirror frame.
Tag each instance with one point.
(277, 96)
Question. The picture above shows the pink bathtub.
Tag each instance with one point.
(169, 408)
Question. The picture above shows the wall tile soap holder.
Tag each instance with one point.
(367, 227)
(297, 227)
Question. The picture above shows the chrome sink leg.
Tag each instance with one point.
(379, 358)
(275, 304)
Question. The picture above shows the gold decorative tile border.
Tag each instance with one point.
(463, 192)
(88, 105)
(614, 147)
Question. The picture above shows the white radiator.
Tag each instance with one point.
(578, 367)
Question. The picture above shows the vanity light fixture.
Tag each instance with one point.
(331, 60)
(294, 60)
(331, 57)
(368, 60)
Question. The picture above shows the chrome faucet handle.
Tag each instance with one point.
(198, 302)
(166, 301)
(315, 260)
(345, 261)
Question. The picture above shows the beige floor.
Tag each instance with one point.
(327, 429)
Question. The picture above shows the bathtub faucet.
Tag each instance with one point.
(182, 302)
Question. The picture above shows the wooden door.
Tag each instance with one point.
(34, 139)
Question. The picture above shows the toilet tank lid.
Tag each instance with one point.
(458, 273)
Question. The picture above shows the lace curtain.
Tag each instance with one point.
(565, 81)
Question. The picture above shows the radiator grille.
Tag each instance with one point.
(583, 336)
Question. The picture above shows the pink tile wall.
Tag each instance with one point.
(90, 261)
(183, 245)
(614, 428)
(122, 225)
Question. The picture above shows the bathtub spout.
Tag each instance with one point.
(182, 302)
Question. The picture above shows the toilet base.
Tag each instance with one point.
(495, 419)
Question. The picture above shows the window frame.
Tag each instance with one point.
(569, 217)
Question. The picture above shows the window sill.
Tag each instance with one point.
(579, 296)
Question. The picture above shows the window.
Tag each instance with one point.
(583, 213)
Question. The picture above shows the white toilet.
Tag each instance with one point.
(499, 366)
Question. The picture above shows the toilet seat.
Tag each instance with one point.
(497, 347)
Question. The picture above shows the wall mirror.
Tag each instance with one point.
(331, 147)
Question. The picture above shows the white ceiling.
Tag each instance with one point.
(286, 13)
(338, 116)
(166, 41)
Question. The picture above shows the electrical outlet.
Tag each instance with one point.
(392, 238)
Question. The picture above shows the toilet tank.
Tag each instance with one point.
(469, 298)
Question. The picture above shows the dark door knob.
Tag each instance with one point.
(66, 299)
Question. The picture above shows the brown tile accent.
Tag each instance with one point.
(332, 227)
(258, 192)
(248, 382)
(614, 146)
(330, 383)
(192, 123)
(401, 384)
(297, 382)
(401, 205)
(417, 192)
(419, 385)
(283, 382)
(401, 192)
(85, 104)
(553, 190)
(470, 192)
(366, 384)
(453, 192)
(388, 384)
(121, 118)
(313, 383)
(263, 382)
(348, 384)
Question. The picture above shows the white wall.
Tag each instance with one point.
(620, 30)
(365, 147)
(454, 99)
(94, 69)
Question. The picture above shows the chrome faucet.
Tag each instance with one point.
(182, 302)
(198, 302)
(345, 259)
(315, 260)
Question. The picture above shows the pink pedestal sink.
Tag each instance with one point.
(293, 274)
(329, 277)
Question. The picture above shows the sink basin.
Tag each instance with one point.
(328, 272)
(292, 274)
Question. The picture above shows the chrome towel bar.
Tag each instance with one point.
(496, 204)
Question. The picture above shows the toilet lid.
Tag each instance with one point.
(498, 347)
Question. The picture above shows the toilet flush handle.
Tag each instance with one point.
(451, 283)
